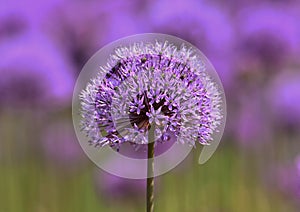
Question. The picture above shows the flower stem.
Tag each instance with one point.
(150, 170)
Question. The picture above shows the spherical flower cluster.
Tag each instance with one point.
(35, 73)
(151, 85)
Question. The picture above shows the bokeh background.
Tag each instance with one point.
(254, 46)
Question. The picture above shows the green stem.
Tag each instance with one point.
(150, 171)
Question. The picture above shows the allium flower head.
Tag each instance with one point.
(269, 35)
(151, 85)
(35, 73)
(284, 98)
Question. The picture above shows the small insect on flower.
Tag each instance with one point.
(151, 84)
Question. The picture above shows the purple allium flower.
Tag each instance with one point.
(17, 17)
(12, 25)
(251, 126)
(177, 95)
(34, 72)
(60, 145)
(96, 25)
(284, 99)
(269, 36)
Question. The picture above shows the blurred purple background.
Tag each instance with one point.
(254, 46)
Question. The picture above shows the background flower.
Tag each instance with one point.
(268, 37)
(35, 73)
(116, 189)
(284, 98)
(60, 146)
